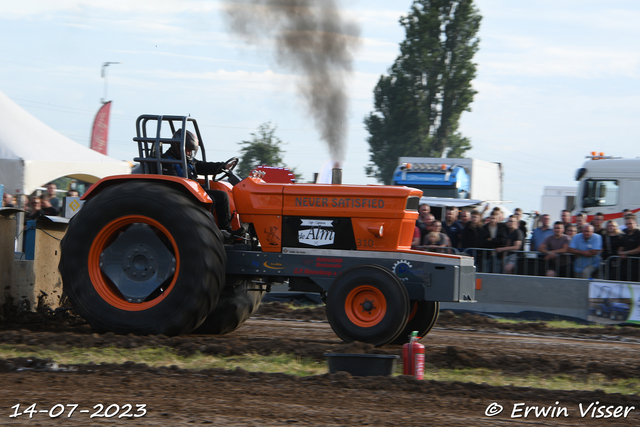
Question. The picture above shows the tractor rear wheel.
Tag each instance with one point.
(368, 304)
(238, 301)
(422, 317)
(143, 258)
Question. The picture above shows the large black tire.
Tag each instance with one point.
(238, 301)
(368, 304)
(423, 316)
(182, 246)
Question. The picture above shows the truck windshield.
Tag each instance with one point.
(440, 191)
(600, 193)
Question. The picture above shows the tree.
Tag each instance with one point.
(419, 104)
(263, 149)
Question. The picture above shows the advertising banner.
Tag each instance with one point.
(100, 131)
(614, 302)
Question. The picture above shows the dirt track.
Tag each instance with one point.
(175, 397)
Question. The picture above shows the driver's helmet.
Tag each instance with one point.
(190, 147)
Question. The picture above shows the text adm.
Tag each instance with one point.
(339, 202)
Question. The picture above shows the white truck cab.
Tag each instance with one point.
(608, 185)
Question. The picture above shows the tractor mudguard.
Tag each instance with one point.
(183, 184)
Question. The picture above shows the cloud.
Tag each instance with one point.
(239, 82)
(376, 18)
(537, 59)
(595, 16)
(209, 59)
(576, 39)
(22, 8)
(361, 86)
(377, 51)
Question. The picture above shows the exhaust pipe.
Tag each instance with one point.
(336, 176)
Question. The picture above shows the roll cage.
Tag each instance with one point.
(148, 137)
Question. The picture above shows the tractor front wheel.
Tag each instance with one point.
(368, 304)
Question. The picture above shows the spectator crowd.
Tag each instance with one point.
(564, 249)
(40, 203)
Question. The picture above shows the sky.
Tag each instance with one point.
(556, 80)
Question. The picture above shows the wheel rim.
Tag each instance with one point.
(365, 306)
(414, 310)
(103, 259)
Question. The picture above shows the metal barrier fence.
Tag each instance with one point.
(527, 263)
(532, 263)
(626, 269)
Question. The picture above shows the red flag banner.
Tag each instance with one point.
(100, 132)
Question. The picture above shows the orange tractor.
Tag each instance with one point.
(144, 254)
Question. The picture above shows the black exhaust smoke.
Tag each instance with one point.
(313, 39)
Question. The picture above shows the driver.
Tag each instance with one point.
(195, 168)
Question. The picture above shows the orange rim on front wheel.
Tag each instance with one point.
(365, 306)
(101, 281)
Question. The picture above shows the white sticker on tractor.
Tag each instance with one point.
(316, 235)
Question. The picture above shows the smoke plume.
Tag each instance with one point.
(313, 40)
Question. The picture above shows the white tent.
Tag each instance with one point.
(32, 154)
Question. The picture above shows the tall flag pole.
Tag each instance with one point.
(100, 129)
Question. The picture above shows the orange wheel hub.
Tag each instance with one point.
(365, 306)
(106, 237)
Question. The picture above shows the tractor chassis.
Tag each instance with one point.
(425, 277)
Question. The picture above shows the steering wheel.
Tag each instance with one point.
(224, 170)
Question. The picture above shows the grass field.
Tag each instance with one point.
(283, 363)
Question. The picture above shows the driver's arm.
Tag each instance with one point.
(207, 168)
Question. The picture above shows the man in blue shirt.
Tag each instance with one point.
(586, 246)
(539, 234)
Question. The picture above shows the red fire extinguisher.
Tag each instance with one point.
(413, 357)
